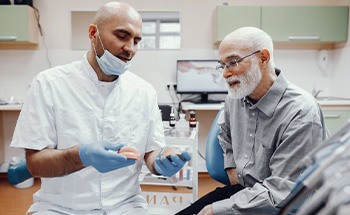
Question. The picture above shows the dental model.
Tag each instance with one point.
(130, 152)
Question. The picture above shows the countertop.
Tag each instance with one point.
(16, 107)
(188, 105)
(333, 101)
(323, 102)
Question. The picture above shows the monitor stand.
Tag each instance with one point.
(205, 100)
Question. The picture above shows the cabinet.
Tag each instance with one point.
(18, 25)
(335, 118)
(8, 118)
(321, 24)
(168, 195)
(229, 18)
(306, 24)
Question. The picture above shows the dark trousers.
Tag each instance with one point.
(218, 194)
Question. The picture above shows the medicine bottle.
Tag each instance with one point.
(172, 120)
(182, 127)
(192, 121)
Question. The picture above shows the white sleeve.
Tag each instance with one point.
(156, 138)
(35, 128)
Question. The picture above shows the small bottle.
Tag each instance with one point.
(172, 120)
(189, 173)
(192, 121)
(182, 127)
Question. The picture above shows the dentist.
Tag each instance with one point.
(78, 116)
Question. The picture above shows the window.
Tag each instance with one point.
(161, 30)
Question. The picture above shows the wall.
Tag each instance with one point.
(18, 67)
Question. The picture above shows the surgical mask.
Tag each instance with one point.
(110, 64)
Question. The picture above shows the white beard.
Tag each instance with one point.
(248, 82)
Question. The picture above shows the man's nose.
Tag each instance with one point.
(130, 48)
(231, 71)
(227, 72)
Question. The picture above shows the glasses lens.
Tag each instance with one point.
(220, 68)
(232, 63)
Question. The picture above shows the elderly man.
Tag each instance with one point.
(78, 117)
(268, 125)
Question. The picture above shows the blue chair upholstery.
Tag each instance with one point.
(214, 155)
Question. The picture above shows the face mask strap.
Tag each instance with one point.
(94, 49)
(98, 32)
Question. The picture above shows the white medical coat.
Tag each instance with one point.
(68, 106)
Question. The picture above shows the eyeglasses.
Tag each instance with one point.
(233, 63)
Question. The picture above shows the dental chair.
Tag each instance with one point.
(214, 156)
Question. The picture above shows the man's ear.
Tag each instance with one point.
(92, 31)
(264, 56)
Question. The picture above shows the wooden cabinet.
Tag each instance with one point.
(315, 24)
(306, 24)
(18, 25)
(230, 18)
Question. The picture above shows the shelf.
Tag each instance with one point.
(151, 179)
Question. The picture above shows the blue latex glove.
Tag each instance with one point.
(170, 165)
(97, 154)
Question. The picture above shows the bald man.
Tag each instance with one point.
(77, 117)
(268, 125)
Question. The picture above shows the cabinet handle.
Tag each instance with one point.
(303, 38)
(332, 116)
(8, 38)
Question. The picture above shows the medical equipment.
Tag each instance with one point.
(316, 163)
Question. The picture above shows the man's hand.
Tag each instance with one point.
(207, 210)
(232, 175)
(170, 164)
(103, 156)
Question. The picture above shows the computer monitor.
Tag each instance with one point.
(199, 77)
